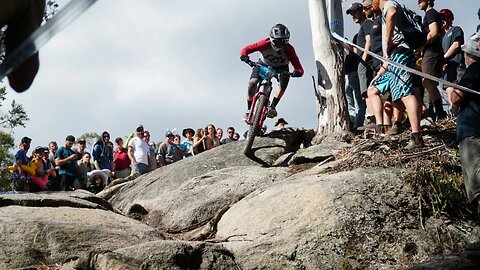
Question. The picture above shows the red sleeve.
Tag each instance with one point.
(292, 56)
(258, 46)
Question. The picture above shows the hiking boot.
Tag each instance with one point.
(271, 112)
(380, 130)
(246, 115)
(395, 129)
(415, 141)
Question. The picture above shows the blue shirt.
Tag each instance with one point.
(68, 168)
(103, 154)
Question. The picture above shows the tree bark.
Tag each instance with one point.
(332, 110)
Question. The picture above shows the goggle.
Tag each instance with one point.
(280, 42)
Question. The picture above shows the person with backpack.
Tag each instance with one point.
(432, 60)
(391, 78)
(102, 153)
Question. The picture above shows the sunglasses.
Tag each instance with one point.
(367, 7)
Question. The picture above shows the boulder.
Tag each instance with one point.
(52, 234)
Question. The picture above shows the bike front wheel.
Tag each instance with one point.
(255, 125)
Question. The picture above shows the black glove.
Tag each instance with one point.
(244, 58)
(296, 73)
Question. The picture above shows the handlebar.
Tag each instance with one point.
(258, 64)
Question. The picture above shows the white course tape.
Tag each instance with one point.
(411, 70)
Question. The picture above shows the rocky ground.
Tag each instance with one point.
(361, 204)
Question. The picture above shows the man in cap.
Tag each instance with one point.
(169, 151)
(468, 119)
(66, 159)
(138, 153)
(20, 179)
(364, 70)
(281, 123)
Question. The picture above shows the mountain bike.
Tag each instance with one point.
(260, 102)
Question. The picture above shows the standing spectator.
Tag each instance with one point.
(53, 147)
(81, 148)
(152, 161)
(432, 57)
(386, 80)
(352, 85)
(453, 39)
(20, 179)
(66, 159)
(364, 69)
(468, 120)
(121, 162)
(281, 123)
(102, 153)
(229, 138)
(138, 153)
(220, 134)
(187, 145)
(199, 141)
(168, 150)
(212, 138)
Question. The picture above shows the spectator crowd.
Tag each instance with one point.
(70, 166)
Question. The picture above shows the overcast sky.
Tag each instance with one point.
(170, 64)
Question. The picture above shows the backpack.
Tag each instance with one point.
(413, 31)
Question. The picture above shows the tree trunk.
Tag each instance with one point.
(332, 110)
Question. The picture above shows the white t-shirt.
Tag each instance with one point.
(140, 150)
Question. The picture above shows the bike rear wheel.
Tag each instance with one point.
(255, 125)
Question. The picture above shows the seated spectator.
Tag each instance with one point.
(168, 150)
(229, 138)
(97, 180)
(281, 123)
(84, 166)
(236, 136)
(187, 145)
(121, 162)
(40, 179)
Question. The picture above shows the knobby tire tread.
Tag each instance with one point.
(254, 127)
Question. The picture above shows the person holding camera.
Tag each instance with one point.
(66, 159)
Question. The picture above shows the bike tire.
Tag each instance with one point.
(254, 127)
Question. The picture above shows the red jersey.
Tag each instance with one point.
(120, 159)
(273, 58)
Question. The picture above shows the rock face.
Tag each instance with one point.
(246, 214)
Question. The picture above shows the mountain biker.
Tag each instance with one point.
(277, 53)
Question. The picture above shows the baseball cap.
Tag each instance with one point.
(39, 149)
(168, 133)
(26, 140)
(70, 138)
(470, 46)
(139, 128)
(353, 7)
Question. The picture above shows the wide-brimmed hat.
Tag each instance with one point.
(184, 132)
(102, 173)
(281, 120)
(471, 47)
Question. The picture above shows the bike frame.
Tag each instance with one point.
(263, 88)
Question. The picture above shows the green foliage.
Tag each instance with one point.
(90, 138)
(443, 188)
(16, 116)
